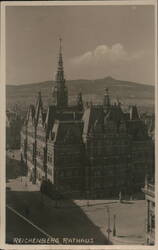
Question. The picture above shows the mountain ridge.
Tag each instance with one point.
(108, 78)
(93, 90)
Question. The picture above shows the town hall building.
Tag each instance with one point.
(91, 151)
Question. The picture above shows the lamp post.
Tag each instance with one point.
(108, 229)
(87, 198)
(114, 227)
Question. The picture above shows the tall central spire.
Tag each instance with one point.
(60, 45)
(60, 93)
(60, 70)
(106, 101)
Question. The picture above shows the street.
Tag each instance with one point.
(72, 218)
(17, 228)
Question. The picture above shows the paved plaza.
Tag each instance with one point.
(30, 214)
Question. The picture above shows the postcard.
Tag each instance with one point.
(79, 106)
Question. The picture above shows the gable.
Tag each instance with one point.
(30, 117)
(40, 118)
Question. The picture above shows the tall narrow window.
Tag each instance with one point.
(33, 153)
(25, 148)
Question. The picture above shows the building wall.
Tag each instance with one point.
(141, 158)
(149, 191)
(109, 165)
(116, 161)
(41, 151)
(103, 164)
(50, 161)
(28, 148)
(69, 169)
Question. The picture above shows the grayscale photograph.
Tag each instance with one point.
(80, 124)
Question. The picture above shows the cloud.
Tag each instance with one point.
(116, 54)
(113, 60)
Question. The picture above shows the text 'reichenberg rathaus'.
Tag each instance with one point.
(94, 151)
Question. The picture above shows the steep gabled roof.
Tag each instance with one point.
(50, 118)
(67, 132)
(39, 106)
(30, 114)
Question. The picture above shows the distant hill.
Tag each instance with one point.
(93, 90)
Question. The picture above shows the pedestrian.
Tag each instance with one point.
(120, 197)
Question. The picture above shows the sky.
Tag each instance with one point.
(97, 41)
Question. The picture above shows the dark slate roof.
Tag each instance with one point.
(114, 114)
(60, 114)
(68, 132)
(65, 116)
(72, 108)
(91, 115)
(95, 117)
(137, 129)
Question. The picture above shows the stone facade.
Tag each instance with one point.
(97, 151)
(118, 150)
(149, 191)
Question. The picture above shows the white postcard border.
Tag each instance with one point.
(3, 245)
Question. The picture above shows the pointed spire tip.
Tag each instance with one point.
(60, 43)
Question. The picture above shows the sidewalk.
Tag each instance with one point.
(127, 239)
